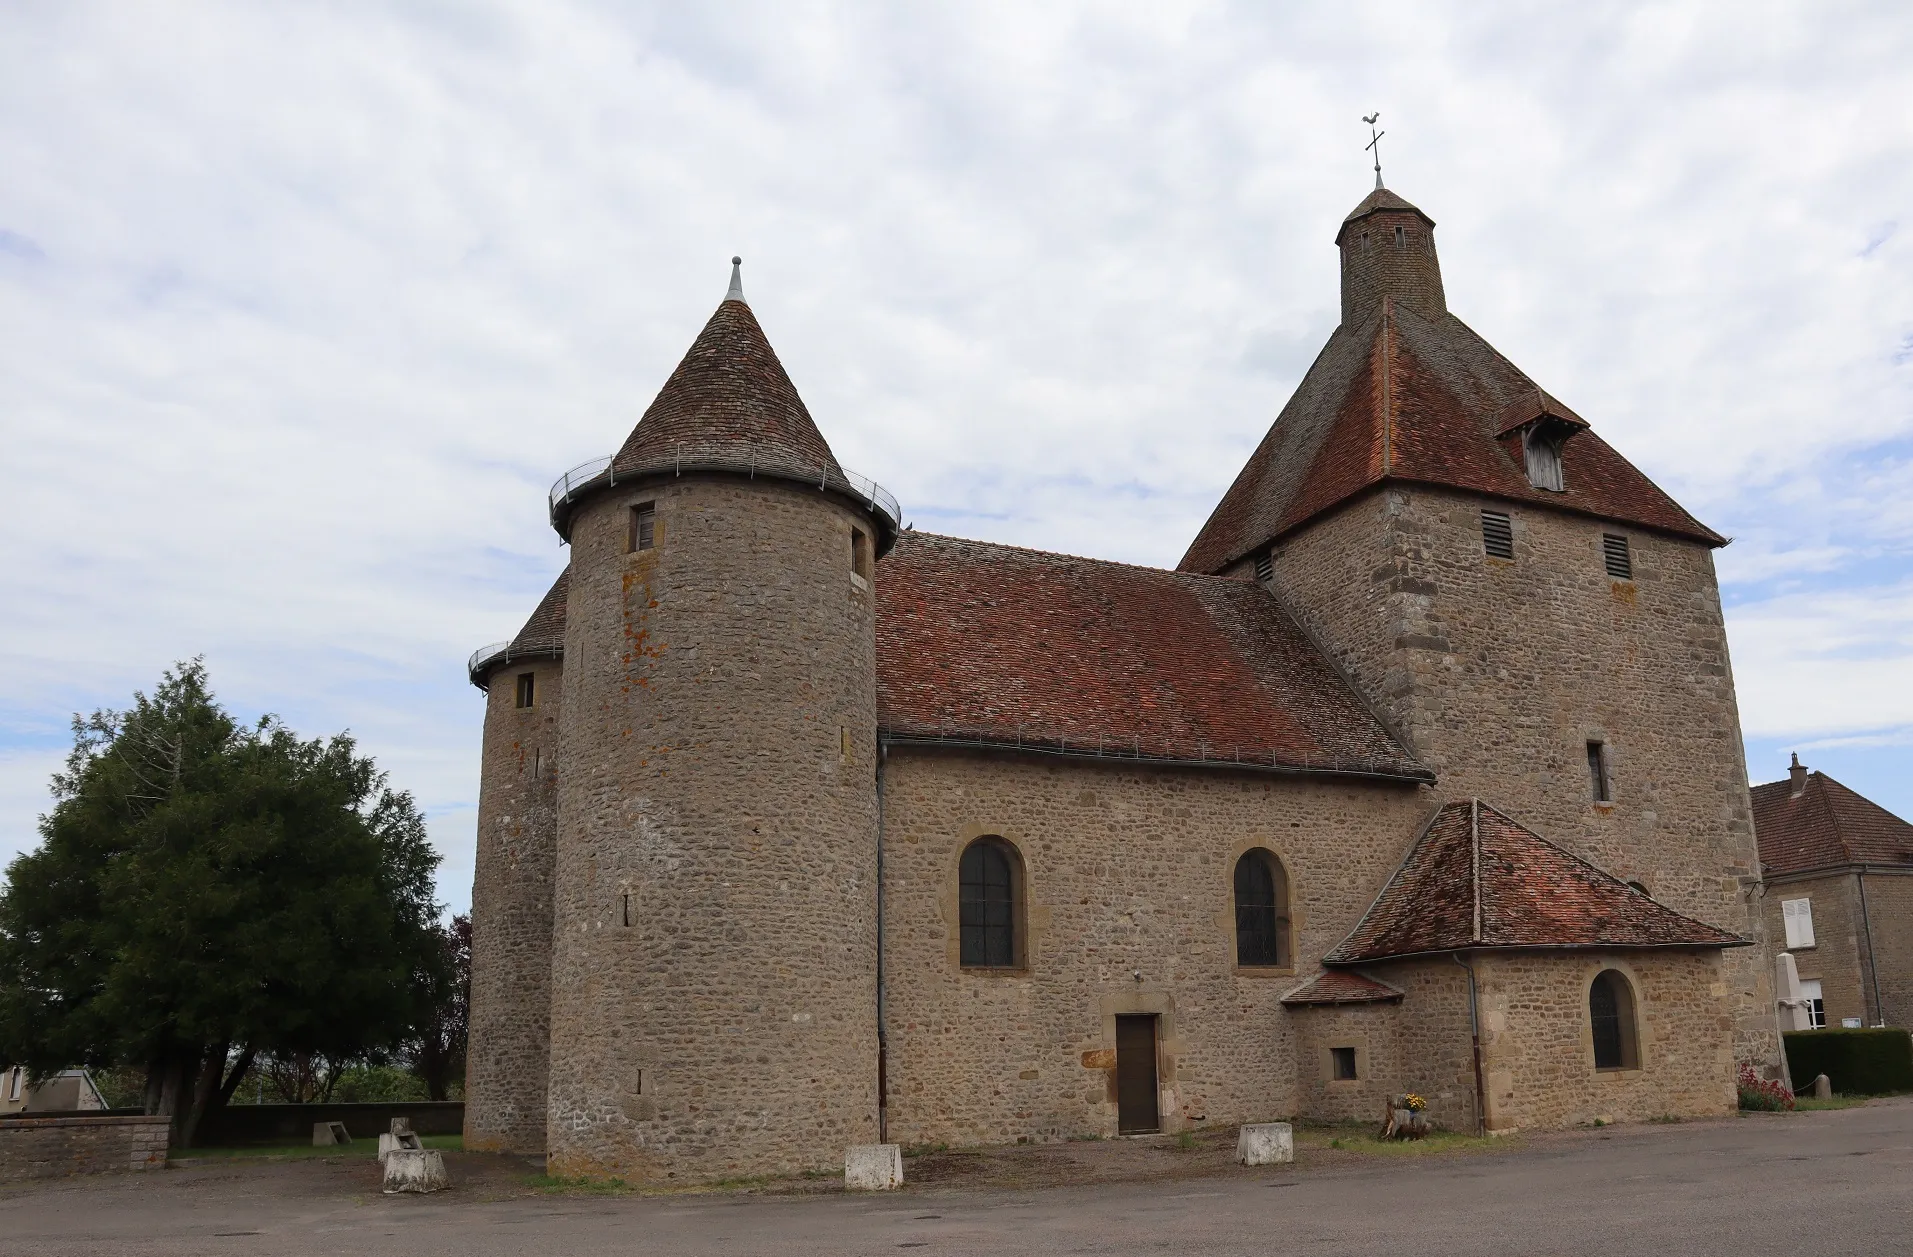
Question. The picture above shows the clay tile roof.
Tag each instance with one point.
(1405, 397)
(729, 402)
(991, 643)
(1374, 203)
(544, 632)
(1828, 826)
(1477, 879)
(1340, 986)
(1528, 407)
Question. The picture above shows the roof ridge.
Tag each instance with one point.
(1192, 577)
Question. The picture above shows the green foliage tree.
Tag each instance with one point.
(205, 892)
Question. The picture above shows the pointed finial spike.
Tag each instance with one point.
(737, 280)
(1375, 143)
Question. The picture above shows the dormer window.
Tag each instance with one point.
(1541, 444)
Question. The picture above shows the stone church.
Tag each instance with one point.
(1421, 772)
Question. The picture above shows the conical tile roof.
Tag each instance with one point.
(1477, 879)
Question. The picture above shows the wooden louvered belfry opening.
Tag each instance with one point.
(1497, 534)
(1614, 552)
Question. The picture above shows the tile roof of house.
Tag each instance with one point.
(1476, 879)
(1416, 397)
(991, 643)
(1827, 826)
(1341, 986)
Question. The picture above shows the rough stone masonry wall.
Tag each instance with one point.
(1127, 870)
(54, 1147)
(1538, 1043)
(1834, 959)
(1500, 672)
(1421, 1044)
(510, 1037)
(714, 967)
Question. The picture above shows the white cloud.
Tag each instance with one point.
(301, 307)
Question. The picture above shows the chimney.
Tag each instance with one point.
(1799, 775)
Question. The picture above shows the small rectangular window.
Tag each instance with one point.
(1797, 916)
(1816, 1004)
(1401, 237)
(860, 553)
(644, 527)
(527, 694)
(1597, 773)
(1265, 567)
(1620, 564)
(1344, 1061)
(1497, 535)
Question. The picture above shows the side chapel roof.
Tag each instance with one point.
(1476, 879)
(1404, 390)
(998, 644)
(1825, 826)
(1341, 986)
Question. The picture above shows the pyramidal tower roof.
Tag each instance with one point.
(728, 407)
(1405, 391)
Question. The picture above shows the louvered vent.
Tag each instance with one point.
(1497, 534)
(1620, 564)
(1264, 567)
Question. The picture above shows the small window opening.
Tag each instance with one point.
(1497, 534)
(1265, 566)
(527, 694)
(1541, 449)
(1343, 1058)
(1401, 237)
(989, 896)
(860, 553)
(1614, 552)
(644, 527)
(1810, 991)
(627, 909)
(1365, 240)
(1611, 1010)
(1261, 912)
(1598, 779)
(1638, 886)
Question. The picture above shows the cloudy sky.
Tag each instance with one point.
(302, 307)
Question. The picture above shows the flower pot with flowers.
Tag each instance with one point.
(1407, 1117)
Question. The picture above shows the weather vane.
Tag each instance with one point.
(1375, 143)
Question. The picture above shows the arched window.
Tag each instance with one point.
(990, 894)
(1261, 911)
(1611, 1010)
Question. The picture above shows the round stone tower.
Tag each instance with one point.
(713, 1006)
(508, 1045)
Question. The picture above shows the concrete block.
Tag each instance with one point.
(1265, 1143)
(397, 1141)
(415, 1170)
(873, 1167)
(1822, 1087)
(329, 1134)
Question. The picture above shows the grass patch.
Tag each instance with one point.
(551, 1184)
(1361, 1138)
(359, 1147)
(1807, 1104)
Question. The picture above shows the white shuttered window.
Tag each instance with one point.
(1798, 915)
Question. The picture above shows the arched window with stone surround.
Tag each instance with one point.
(1261, 911)
(1611, 1012)
(990, 905)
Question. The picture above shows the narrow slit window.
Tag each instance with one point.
(1614, 552)
(627, 909)
(1597, 773)
(644, 527)
(1401, 237)
(1343, 1059)
(1497, 534)
(527, 689)
(860, 553)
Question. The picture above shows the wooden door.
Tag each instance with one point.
(1136, 1075)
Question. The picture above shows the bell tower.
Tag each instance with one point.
(713, 1007)
(1388, 250)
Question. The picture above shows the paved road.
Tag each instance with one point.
(1820, 1183)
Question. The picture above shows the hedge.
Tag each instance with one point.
(1857, 1062)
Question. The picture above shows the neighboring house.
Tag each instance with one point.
(1839, 874)
(799, 828)
(67, 1091)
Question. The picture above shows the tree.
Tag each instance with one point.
(205, 892)
(439, 1055)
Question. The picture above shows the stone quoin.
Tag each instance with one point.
(802, 832)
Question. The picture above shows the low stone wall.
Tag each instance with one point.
(239, 1124)
(54, 1147)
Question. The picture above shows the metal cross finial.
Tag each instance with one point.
(1375, 143)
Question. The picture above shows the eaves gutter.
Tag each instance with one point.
(1116, 756)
